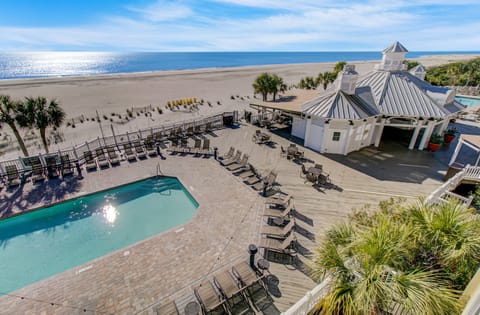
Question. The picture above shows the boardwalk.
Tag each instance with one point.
(168, 265)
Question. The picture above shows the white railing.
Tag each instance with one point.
(443, 192)
(306, 303)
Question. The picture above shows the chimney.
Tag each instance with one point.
(419, 71)
(347, 79)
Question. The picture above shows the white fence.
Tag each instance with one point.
(306, 304)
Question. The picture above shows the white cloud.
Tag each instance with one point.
(163, 11)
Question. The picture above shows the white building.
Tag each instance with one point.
(355, 111)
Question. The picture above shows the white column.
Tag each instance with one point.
(444, 125)
(379, 132)
(326, 127)
(455, 153)
(307, 131)
(413, 140)
(347, 139)
(426, 135)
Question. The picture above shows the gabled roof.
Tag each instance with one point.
(339, 105)
(399, 93)
(396, 47)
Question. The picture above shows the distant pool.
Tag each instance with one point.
(42, 243)
(468, 101)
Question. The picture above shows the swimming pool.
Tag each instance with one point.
(42, 243)
(468, 101)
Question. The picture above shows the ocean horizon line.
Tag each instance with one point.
(57, 64)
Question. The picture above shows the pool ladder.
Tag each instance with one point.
(159, 170)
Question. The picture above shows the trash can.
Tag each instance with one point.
(252, 250)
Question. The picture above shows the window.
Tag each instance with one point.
(336, 136)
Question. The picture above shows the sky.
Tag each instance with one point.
(238, 25)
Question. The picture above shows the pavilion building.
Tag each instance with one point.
(356, 111)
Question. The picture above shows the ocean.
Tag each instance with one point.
(23, 65)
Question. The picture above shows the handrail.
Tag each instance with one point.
(309, 300)
(443, 192)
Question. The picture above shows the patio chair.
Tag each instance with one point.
(189, 131)
(236, 166)
(279, 200)
(37, 172)
(13, 177)
(268, 181)
(173, 146)
(234, 159)
(283, 151)
(208, 298)
(139, 149)
(303, 172)
(276, 213)
(149, 145)
(112, 156)
(131, 156)
(208, 127)
(197, 129)
(67, 167)
(249, 279)
(229, 154)
(53, 169)
(230, 289)
(205, 148)
(101, 158)
(167, 308)
(278, 231)
(196, 147)
(89, 161)
(286, 246)
(251, 171)
(183, 148)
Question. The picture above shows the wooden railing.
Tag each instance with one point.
(158, 134)
(444, 192)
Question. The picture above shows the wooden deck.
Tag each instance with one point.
(169, 265)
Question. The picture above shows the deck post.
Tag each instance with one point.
(380, 132)
(307, 131)
(456, 151)
(426, 136)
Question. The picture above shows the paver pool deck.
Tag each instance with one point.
(169, 265)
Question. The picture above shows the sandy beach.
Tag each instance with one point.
(109, 94)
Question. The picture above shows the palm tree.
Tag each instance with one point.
(262, 85)
(377, 262)
(8, 113)
(339, 67)
(326, 78)
(277, 86)
(41, 114)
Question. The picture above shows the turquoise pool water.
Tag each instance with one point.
(39, 244)
(468, 101)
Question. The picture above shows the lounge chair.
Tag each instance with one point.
(278, 231)
(189, 131)
(234, 159)
(226, 284)
(208, 298)
(208, 127)
(251, 171)
(279, 200)
(252, 180)
(37, 172)
(131, 156)
(183, 146)
(101, 159)
(67, 167)
(89, 160)
(197, 147)
(167, 308)
(229, 154)
(149, 145)
(139, 149)
(276, 213)
(249, 279)
(236, 166)
(268, 181)
(197, 129)
(286, 246)
(53, 169)
(206, 147)
(13, 177)
(113, 156)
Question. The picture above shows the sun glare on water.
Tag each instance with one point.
(110, 213)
